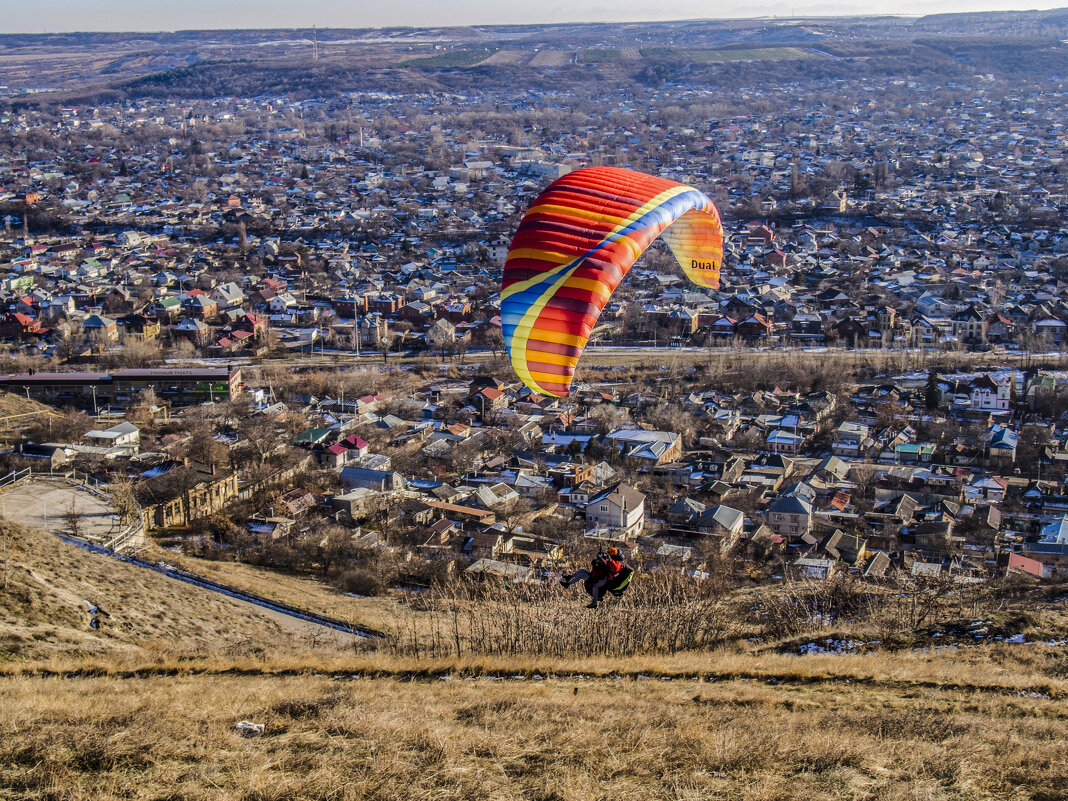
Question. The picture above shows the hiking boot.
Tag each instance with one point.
(591, 605)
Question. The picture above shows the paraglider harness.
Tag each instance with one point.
(617, 584)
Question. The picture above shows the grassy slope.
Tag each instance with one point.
(387, 738)
(11, 404)
(307, 593)
(730, 54)
(147, 707)
(43, 583)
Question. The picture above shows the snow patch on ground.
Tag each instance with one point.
(831, 646)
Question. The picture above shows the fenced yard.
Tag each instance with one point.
(47, 504)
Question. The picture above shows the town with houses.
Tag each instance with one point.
(533, 403)
(544, 403)
(273, 323)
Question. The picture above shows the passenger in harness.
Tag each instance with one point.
(608, 573)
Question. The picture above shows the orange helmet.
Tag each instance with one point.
(613, 551)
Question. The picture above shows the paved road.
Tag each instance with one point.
(320, 629)
(44, 504)
(642, 355)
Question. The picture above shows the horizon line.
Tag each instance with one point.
(628, 21)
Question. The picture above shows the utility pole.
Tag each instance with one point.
(315, 43)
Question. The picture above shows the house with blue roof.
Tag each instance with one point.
(1055, 532)
(783, 441)
(1001, 446)
(657, 447)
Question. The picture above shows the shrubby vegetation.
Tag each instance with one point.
(666, 613)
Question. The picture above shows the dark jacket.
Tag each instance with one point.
(607, 567)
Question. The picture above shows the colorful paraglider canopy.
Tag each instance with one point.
(573, 247)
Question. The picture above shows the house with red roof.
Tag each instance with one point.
(252, 323)
(19, 326)
(756, 326)
(344, 451)
(489, 400)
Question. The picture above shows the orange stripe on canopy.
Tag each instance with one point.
(575, 244)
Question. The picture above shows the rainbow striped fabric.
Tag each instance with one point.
(573, 247)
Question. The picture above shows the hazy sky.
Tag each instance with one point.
(37, 16)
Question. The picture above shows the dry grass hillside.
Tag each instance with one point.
(639, 737)
(44, 584)
(303, 591)
(12, 404)
(147, 706)
(18, 413)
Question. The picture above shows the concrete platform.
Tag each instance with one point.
(44, 504)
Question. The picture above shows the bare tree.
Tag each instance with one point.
(203, 447)
(608, 417)
(69, 341)
(514, 513)
(74, 519)
(68, 426)
(384, 341)
(122, 500)
(494, 339)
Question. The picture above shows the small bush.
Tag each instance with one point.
(361, 582)
(662, 613)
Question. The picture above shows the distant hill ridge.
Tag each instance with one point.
(102, 67)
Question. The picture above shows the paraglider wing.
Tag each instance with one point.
(573, 247)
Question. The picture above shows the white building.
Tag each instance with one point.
(992, 394)
(124, 435)
(619, 508)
